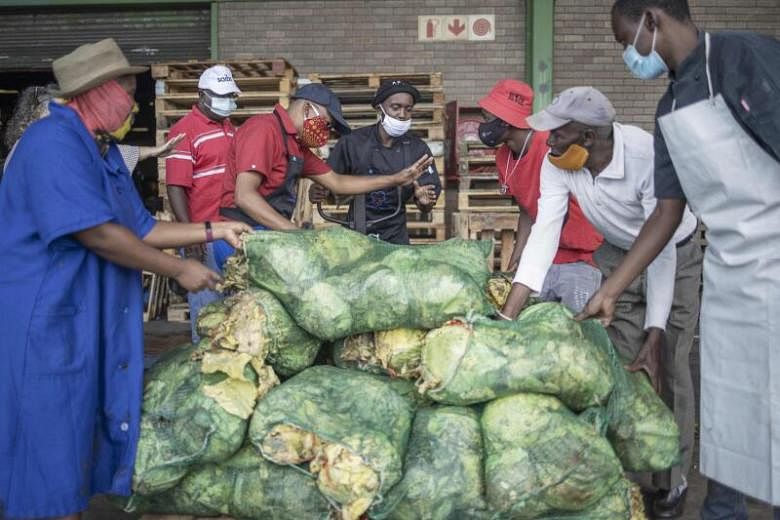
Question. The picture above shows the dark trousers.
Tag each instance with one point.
(627, 333)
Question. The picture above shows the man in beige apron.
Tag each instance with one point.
(718, 148)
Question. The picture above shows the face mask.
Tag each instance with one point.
(122, 131)
(573, 159)
(316, 130)
(222, 106)
(394, 127)
(492, 132)
(644, 67)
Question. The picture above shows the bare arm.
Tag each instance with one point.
(121, 246)
(653, 237)
(174, 234)
(524, 224)
(178, 199)
(255, 205)
(144, 152)
(357, 184)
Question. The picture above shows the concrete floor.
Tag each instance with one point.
(161, 335)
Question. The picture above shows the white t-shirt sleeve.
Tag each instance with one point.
(545, 234)
(661, 273)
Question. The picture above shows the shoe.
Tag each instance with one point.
(670, 504)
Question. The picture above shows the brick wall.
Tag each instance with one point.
(586, 53)
(357, 36)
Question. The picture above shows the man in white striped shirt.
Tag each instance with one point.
(608, 168)
(194, 171)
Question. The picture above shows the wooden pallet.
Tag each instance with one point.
(275, 67)
(481, 193)
(372, 80)
(158, 295)
(166, 118)
(259, 84)
(499, 227)
(178, 312)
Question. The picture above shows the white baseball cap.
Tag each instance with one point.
(585, 105)
(219, 80)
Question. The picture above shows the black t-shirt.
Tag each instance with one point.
(362, 153)
(745, 70)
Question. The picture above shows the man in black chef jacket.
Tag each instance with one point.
(381, 149)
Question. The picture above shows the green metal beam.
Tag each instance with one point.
(540, 30)
(214, 31)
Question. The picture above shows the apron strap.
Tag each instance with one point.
(706, 69)
(707, 63)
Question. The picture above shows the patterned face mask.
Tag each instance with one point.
(316, 130)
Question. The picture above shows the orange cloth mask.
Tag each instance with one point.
(574, 158)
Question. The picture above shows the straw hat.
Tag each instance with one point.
(90, 65)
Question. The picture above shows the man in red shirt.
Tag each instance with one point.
(194, 171)
(272, 151)
(573, 278)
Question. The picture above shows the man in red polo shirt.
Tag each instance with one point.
(194, 171)
(573, 278)
(271, 152)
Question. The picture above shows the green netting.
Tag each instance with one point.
(541, 459)
(180, 425)
(622, 502)
(442, 471)
(336, 283)
(543, 351)
(350, 426)
(640, 427)
(244, 486)
(255, 322)
(394, 352)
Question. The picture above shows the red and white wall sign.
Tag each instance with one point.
(456, 27)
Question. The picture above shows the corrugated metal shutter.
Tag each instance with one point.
(30, 38)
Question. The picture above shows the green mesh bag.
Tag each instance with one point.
(180, 425)
(542, 460)
(442, 471)
(622, 502)
(336, 282)
(544, 351)
(348, 428)
(393, 352)
(254, 321)
(244, 486)
(639, 425)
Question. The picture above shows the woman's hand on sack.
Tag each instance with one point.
(410, 174)
(318, 193)
(230, 231)
(425, 195)
(195, 277)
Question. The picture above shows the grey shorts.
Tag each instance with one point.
(571, 284)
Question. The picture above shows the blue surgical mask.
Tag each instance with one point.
(222, 106)
(644, 67)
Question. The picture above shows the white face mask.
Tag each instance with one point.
(222, 106)
(394, 127)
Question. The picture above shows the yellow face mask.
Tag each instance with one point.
(122, 131)
(574, 158)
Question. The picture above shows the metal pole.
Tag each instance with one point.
(540, 30)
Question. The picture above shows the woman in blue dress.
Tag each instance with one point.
(75, 237)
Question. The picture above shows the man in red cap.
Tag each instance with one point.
(573, 278)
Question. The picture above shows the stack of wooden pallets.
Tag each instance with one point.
(356, 92)
(263, 84)
(483, 211)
